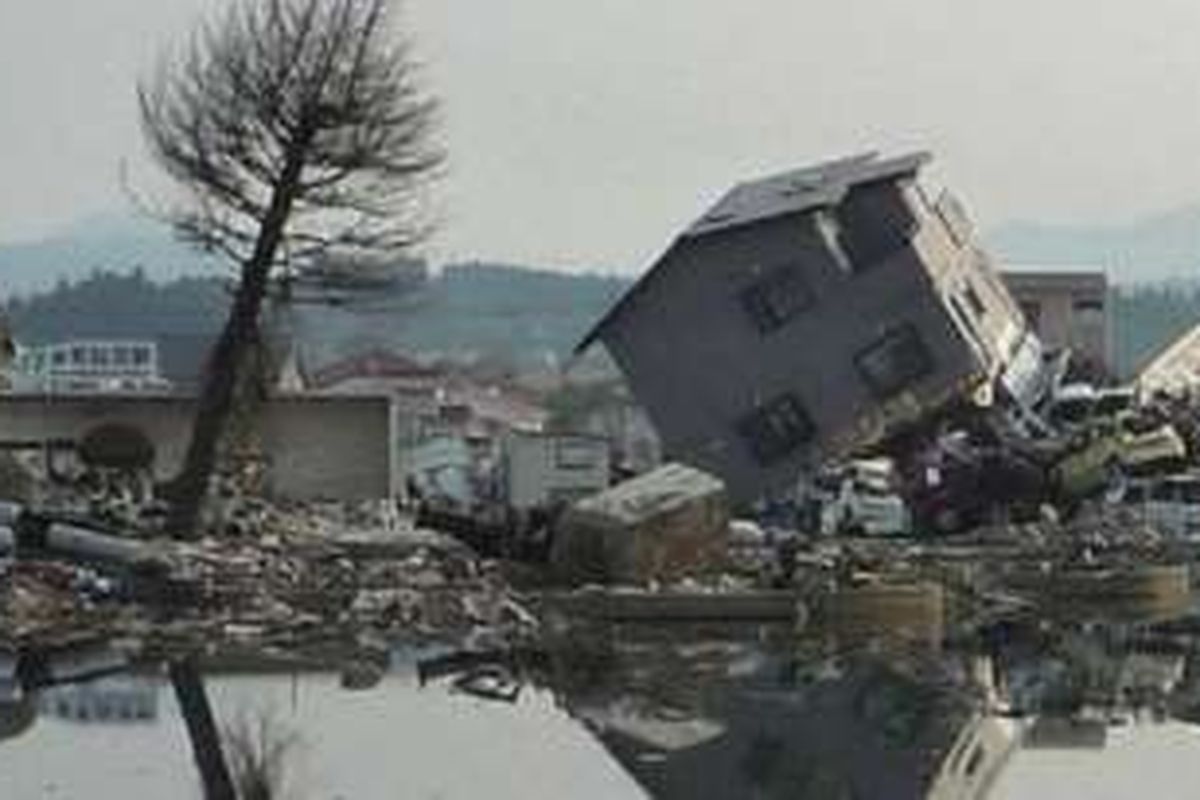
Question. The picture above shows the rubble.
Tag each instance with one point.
(264, 573)
(987, 510)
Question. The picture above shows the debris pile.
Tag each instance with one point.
(305, 574)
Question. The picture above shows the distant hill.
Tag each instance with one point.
(522, 317)
(183, 316)
(525, 316)
(1164, 247)
(83, 286)
(1154, 261)
(99, 243)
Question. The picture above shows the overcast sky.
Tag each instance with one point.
(582, 133)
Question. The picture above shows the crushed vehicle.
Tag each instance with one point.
(1077, 405)
(1109, 450)
(959, 480)
(861, 498)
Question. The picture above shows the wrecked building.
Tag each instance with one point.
(314, 447)
(553, 469)
(811, 313)
(1068, 310)
(89, 366)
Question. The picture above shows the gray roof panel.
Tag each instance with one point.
(796, 191)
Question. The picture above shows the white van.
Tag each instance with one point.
(861, 498)
(1077, 405)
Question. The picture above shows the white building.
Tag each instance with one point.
(88, 366)
(546, 469)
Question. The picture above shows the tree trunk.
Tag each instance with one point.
(228, 356)
(202, 730)
(225, 362)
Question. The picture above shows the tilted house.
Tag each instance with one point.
(810, 313)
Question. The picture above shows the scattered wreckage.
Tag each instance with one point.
(927, 458)
(930, 405)
(284, 575)
(931, 440)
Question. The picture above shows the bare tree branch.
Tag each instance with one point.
(300, 133)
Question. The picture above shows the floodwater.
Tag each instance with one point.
(1082, 706)
(394, 740)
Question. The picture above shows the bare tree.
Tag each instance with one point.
(302, 136)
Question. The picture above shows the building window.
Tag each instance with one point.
(874, 223)
(776, 430)
(1033, 314)
(954, 218)
(973, 300)
(775, 298)
(894, 362)
(141, 356)
(575, 454)
(1093, 306)
(976, 760)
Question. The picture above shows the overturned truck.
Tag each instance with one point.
(810, 314)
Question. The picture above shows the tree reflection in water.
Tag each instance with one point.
(732, 710)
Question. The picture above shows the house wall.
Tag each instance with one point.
(698, 364)
(317, 448)
(963, 273)
(635, 443)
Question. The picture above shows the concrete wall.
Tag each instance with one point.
(316, 447)
(698, 364)
(968, 283)
(1067, 310)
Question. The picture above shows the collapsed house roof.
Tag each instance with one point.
(799, 190)
(796, 191)
(1174, 368)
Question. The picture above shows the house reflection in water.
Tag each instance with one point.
(717, 717)
(108, 701)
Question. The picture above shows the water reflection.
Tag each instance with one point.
(130, 700)
(731, 712)
(395, 739)
(859, 705)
